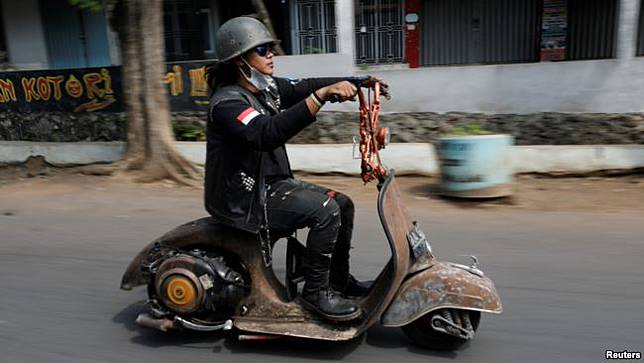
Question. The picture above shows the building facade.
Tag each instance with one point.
(515, 56)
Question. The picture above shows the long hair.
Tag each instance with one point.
(220, 74)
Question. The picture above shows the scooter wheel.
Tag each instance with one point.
(421, 333)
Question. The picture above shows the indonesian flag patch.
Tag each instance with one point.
(247, 115)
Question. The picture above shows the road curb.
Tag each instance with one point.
(406, 158)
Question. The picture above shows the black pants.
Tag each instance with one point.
(295, 204)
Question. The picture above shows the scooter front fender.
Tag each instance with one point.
(443, 285)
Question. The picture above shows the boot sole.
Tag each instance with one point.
(314, 308)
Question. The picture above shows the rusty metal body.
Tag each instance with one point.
(407, 287)
(443, 285)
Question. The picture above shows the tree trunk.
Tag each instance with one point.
(150, 140)
(132, 81)
(260, 8)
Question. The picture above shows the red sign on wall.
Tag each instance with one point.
(412, 33)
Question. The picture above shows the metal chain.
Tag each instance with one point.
(266, 245)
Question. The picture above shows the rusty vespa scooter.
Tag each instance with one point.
(206, 276)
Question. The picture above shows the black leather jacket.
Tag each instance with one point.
(242, 129)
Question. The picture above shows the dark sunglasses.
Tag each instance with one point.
(262, 50)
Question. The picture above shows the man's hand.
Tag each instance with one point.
(343, 91)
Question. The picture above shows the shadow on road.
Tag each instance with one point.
(432, 191)
(393, 338)
(297, 348)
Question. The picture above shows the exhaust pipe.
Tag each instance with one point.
(147, 321)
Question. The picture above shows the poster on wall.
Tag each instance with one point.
(554, 30)
(96, 89)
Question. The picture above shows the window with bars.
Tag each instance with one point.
(183, 31)
(314, 29)
(379, 31)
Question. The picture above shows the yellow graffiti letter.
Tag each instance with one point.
(175, 80)
(43, 88)
(91, 79)
(28, 86)
(56, 81)
(73, 87)
(107, 80)
(198, 84)
(7, 91)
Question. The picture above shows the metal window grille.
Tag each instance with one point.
(379, 31)
(592, 29)
(640, 33)
(182, 30)
(314, 28)
(207, 30)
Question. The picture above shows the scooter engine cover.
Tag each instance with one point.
(195, 283)
(181, 283)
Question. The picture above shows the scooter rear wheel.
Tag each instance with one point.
(421, 333)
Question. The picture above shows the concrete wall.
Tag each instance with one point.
(611, 86)
(344, 15)
(408, 158)
(313, 65)
(627, 28)
(24, 34)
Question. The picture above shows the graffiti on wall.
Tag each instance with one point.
(81, 90)
(96, 89)
(187, 86)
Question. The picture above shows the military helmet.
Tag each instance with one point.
(239, 35)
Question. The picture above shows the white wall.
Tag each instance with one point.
(338, 157)
(24, 33)
(582, 86)
(627, 28)
(313, 65)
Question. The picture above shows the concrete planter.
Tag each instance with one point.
(476, 166)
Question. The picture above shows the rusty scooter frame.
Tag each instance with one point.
(437, 304)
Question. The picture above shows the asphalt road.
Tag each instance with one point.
(572, 283)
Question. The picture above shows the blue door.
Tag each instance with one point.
(75, 38)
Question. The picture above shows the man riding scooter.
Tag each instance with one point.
(205, 275)
(249, 184)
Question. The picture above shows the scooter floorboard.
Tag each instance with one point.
(313, 329)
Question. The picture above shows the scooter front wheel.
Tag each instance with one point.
(445, 329)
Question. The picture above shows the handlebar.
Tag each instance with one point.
(334, 99)
(357, 81)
